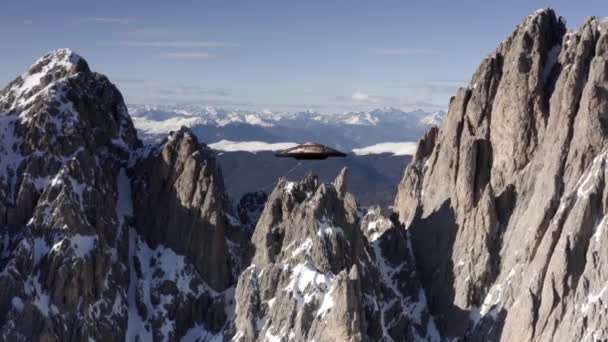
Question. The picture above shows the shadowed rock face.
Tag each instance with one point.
(250, 208)
(181, 203)
(510, 191)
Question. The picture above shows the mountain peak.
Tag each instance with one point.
(434, 119)
(75, 189)
(64, 56)
(546, 15)
(51, 67)
(547, 11)
(54, 65)
(59, 106)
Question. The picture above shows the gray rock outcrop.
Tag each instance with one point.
(316, 276)
(509, 194)
(181, 203)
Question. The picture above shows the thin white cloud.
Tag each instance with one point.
(429, 88)
(110, 20)
(408, 101)
(189, 55)
(182, 44)
(364, 98)
(164, 33)
(401, 51)
(176, 89)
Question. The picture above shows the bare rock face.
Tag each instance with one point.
(78, 260)
(181, 203)
(505, 203)
(315, 275)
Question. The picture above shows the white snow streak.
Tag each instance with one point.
(326, 228)
(250, 146)
(395, 148)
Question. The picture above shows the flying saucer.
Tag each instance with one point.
(310, 151)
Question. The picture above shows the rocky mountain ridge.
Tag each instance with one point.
(316, 276)
(511, 190)
(105, 238)
(497, 235)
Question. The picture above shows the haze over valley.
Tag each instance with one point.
(380, 142)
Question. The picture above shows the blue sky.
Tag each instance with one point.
(332, 55)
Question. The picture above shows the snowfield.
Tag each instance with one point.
(163, 127)
(249, 146)
(395, 148)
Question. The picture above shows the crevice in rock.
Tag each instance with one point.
(504, 204)
(576, 255)
(483, 167)
(535, 311)
(495, 80)
(459, 128)
(550, 56)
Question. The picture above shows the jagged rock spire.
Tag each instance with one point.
(314, 264)
(340, 182)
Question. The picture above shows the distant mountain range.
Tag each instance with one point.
(381, 143)
(346, 131)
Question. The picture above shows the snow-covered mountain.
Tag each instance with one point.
(433, 119)
(105, 238)
(208, 115)
(81, 259)
(344, 130)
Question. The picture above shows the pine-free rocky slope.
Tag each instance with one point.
(511, 192)
(320, 272)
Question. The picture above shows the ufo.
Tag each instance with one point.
(310, 151)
